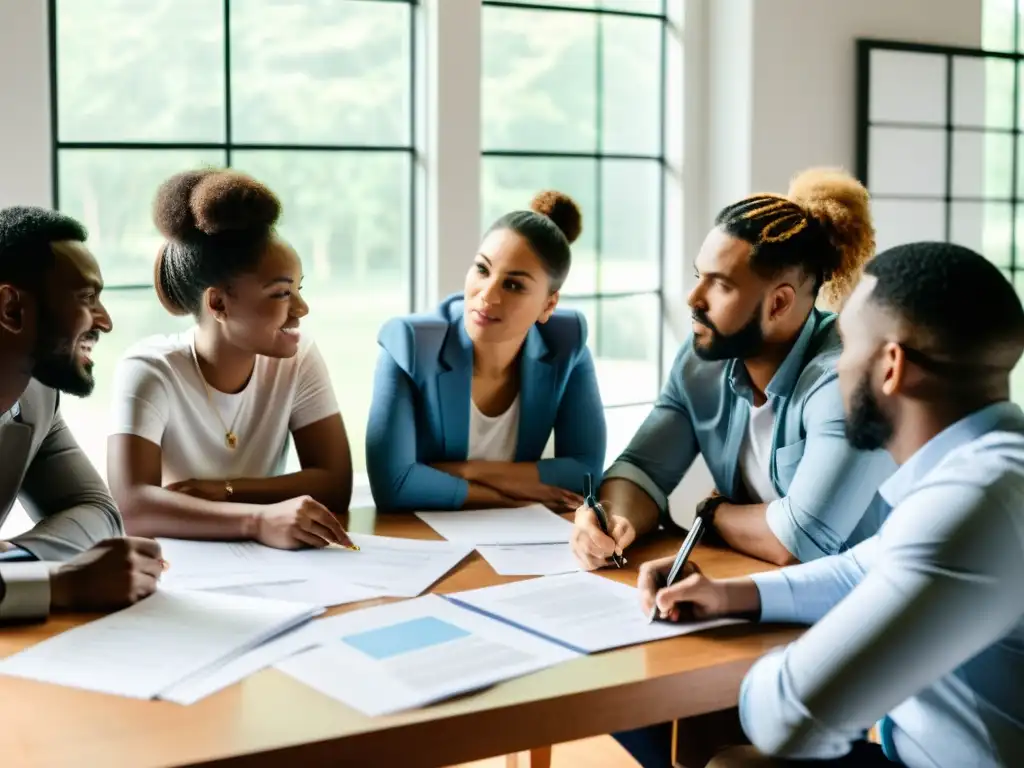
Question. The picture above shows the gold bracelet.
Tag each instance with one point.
(229, 488)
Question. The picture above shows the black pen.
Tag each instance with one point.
(602, 516)
(696, 531)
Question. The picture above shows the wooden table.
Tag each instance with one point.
(271, 719)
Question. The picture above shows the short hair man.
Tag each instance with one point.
(50, 319)
(920, 628)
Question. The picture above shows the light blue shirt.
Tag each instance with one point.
(828, 491)
(923, 622)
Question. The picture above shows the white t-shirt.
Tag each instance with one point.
(756, 454)
(493, 438)
(159, 395)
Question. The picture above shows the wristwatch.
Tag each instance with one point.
(706, 509)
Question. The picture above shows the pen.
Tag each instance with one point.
(602, 516)
(696, 531)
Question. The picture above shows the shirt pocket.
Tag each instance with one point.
(787, 459)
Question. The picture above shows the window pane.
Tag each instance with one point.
(111, 192)
(347, 214)
(539, 88)
(630, 225)
(136, 314)
(320, 72)
(624, 341)
(140, 71)
(509, 183)
(631, 92)
(997, 25)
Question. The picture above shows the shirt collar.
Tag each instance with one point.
(971, 427)
(786, 376)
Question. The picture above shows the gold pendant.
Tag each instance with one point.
(232, 440)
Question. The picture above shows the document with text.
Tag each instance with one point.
(530, 559)
(404, 655)
(583, 610)
(533, 524)
(145, 649)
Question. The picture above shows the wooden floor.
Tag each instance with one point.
(598, 752)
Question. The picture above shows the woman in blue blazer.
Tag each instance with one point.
(466, 397)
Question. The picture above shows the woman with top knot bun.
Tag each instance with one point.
(202, 420)
(466, 397)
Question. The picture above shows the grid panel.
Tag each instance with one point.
(129, 113)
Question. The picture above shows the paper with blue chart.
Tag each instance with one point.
(416, 652)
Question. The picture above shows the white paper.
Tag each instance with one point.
(388, 566)
(416, 652)
(530, 559)
(534, 524)
(215, 564)
(145, 649)
(583, 610)
(323, 591)
(208, 682)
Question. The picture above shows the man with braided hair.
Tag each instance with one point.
(754, 389)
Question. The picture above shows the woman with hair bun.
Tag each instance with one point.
(201, 420)
(466, 397)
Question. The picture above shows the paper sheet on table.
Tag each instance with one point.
(324, 591)
(583, 610)
(215, 564)
(416, 652)
(391, 566)
(530, 559)
(156, 643)
(206, 683)
(534, 524)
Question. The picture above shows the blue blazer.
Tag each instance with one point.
(421, 403)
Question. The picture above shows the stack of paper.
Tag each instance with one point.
(157, 643)
(331, 576)
(409, 654)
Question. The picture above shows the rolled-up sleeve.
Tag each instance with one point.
(664, 447)
(834, 486)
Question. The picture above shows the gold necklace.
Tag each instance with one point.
(229, 435)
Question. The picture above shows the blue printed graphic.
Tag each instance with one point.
(412, 635)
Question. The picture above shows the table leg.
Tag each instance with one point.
(535, 758)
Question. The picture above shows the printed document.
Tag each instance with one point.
(409, 654)
(530, 559)
(384, 565)
(156, 643)
(534, 524)
(583, 610)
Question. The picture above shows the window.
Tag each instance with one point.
(940, 144)
(315, 98)
(573, 99)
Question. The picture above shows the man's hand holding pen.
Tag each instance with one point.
(593, 547)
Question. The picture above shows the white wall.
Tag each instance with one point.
(24, 104)
(794, 87)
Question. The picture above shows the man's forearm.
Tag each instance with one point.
(627, 500)
(744, 527)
